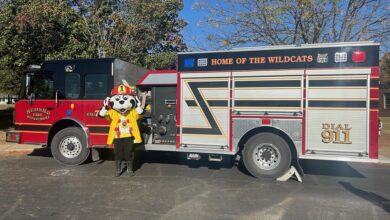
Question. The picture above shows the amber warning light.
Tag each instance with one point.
(358, 57)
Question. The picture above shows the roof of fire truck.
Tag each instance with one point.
(291, 46)
(117, 68)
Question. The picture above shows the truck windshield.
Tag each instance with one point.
(41, 86)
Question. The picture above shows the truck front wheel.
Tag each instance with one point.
(267, 155)
(69, 146)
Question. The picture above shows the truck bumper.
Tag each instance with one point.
(13, 136)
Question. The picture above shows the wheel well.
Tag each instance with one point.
(58, 126)
(249, 134)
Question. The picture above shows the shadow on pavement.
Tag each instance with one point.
(369, 196)
(311, 167)
(180, 159)
(41, 152)
(329, 168)
(142, 157)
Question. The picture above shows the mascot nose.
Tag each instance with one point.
(121, 102)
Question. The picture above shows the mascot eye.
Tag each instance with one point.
(117, 99)
(125, 98)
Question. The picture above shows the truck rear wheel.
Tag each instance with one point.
(69, 146)
(267, 155)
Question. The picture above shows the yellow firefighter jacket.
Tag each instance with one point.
(128, 121)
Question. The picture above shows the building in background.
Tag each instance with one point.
(7, 99)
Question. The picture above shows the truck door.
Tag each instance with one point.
(204, 104)
(45, 104)
(33, 116)
(337, 112)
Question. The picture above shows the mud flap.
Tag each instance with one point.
(95, 154)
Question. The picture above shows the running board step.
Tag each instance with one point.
(215, 157)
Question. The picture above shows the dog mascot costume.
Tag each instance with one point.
(123, 109)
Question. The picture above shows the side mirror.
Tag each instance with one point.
(28, 85)
(31, 98)
(58, 95)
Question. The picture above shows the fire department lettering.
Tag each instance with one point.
(336, 133)
(38, 114)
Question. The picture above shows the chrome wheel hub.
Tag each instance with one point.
(266, 156)
(70, 147)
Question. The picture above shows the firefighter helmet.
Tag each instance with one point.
(122, 90)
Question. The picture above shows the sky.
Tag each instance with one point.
(195, 34)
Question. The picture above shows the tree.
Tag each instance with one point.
(385, 69)
(265, 22)
(162, 60)
(33, 31)
(134, 30)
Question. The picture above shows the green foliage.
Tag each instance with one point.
(34, 31)
(133, 29)
(38, 30)
(159, 61)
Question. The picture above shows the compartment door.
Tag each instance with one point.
(205, 109)
(337, 114)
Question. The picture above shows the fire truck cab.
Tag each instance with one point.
(61, 101)
(271, 105)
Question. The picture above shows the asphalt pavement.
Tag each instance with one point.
(166, 186)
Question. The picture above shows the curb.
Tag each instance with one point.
(12, 153)
(12, 149)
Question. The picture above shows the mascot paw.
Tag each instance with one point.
(138, 101)
(106, 103)
(139, 110)
(103, 112)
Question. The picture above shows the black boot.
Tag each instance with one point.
(130, 171)
(118, 170)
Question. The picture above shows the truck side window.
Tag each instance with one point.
(95, 86)
(72, 86)
(42, 86)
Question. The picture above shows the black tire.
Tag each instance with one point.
(69, 146)
(267, 155)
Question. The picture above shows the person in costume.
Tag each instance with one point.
(123, 109)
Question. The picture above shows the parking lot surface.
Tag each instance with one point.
(166, 186)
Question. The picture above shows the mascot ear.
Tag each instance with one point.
(111, 104)
(132, 102)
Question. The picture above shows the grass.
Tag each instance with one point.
(6, 106)
(384, 139)
(386, 125)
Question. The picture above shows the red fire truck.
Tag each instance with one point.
(271, 105)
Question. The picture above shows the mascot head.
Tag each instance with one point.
(122, 98)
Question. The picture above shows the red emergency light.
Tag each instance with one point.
(358, 56)
(13, 137)
(266, 121)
